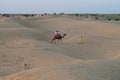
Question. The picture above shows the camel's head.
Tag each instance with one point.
(64, 34)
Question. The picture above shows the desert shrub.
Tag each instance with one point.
(77, 15)
(6, 15)
(26, 15)
(117, 19)
(32, 15)
(96, 17)
(62, 13)
(27, 66)
(54, 13)
(109, 19)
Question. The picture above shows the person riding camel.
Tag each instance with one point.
(57, 34)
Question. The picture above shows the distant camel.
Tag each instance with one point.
(58, 38)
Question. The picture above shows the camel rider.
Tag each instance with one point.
(57, 34)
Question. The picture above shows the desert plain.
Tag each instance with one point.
(27, 54)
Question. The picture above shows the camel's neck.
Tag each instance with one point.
(63, 36)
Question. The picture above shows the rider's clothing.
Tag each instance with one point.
(57, 34)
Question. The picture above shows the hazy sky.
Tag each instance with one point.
(66, 6)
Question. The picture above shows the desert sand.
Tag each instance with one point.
(27, 54)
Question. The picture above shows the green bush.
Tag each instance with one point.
(117, 19)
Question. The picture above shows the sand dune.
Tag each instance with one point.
(27, 54)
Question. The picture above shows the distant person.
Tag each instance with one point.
(81, 40)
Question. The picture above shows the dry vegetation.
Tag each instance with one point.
(107, 17)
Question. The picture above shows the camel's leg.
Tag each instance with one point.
(52, 40)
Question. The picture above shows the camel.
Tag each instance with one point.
(58, 38)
